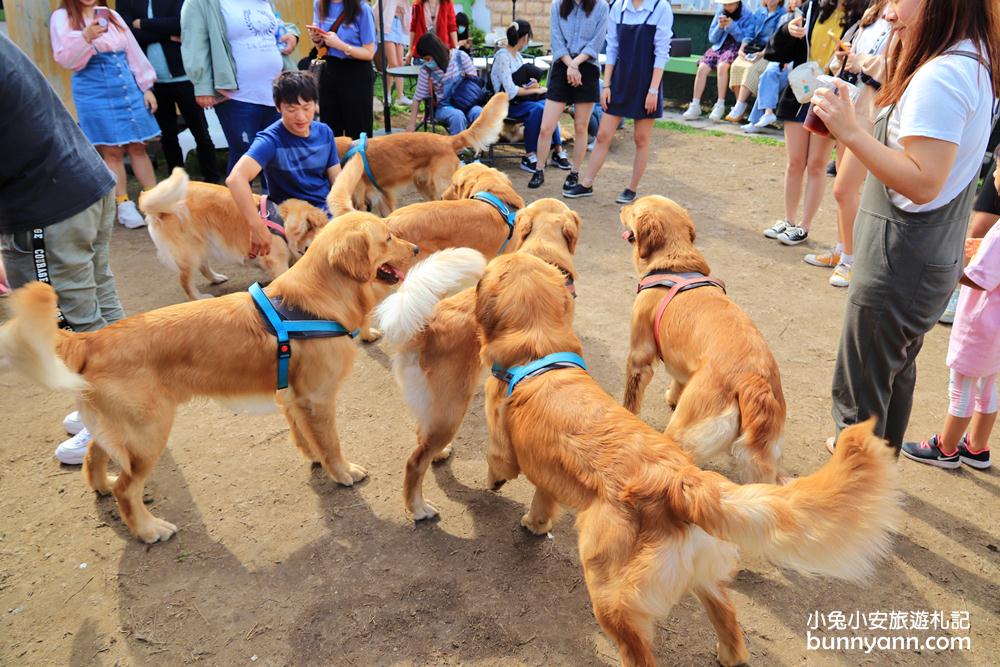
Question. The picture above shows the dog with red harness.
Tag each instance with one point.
(726, 392)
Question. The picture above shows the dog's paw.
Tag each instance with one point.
(355, 473)
(219, 278)
(732, 657)
(424, 511)
(104, 488)
(371, 335)
(156, 530)
(535, 526)
(443, 454)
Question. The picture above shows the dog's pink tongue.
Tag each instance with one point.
(627, 235)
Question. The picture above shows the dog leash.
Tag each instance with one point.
(284, 328)
(507, 213)
(360, 147)
(515, 374)
(272, 226)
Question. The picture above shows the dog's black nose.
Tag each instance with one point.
(416, 250)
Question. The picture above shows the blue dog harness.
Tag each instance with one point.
(360, 147)
(506, 212)
(286, 322)
(549, 362)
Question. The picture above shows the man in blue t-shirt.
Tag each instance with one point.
(297, 154)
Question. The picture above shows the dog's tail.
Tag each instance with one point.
(485, 131)
(28, 339)
(403, 314)
(165, 196)
(836, 522)
(341, 197)
(762, 419)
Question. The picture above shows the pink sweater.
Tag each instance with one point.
(72, 51)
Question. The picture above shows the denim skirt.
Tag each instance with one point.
(109, 104)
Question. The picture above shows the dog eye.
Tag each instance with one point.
(388, 238)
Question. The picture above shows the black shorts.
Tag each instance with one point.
(988, 201)
(559, 89)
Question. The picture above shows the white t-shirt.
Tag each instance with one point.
(872, 39)
(950, 98)
(251, 28)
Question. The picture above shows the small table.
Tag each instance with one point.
(404, 71)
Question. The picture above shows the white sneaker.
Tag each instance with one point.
(750, 128)
(72, 423)
(718, 111)
(793, 235)
(841, 276)
(948, 316)
(129, 215)
(765, 120)
(778, 227)
(736, 113)
(405, 101)
(693, 111)
(591, 145)
(72, 451)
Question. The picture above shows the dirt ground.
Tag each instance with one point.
(274, 564)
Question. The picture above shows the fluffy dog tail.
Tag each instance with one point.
(403, 314)
(166, 196)
(762, 419)
(341, 197)
(486, 130)
(28, 340)
(836, 522)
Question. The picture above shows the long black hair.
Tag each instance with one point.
(518, 29)
(853, 10)
(566, 6)
(351, 10)
(430, 45)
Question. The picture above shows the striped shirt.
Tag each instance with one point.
(459, 64)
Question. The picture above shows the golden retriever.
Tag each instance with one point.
(726, 390)
(424, 160)
(130, 377)
(457, 222)
(435, 343)
(652, 526)
(192, 222)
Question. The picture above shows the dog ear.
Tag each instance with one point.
(690, 225)
(317, 220)
(523, 226)
(649, 234)
(487, 310)
(352, 255)
(571, 231)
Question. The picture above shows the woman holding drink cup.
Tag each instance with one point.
(812, 36)
(924, 160)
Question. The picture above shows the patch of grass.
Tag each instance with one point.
(765, 141)
(684, 128)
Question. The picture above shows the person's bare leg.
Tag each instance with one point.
(818, 157)
(581, 121)
(722, 80)
(980, 430)
(796, 155)
(851, 173)
(606, 132)
(743, 94)
(952, 431)
(700, 81)
(643, 131)
(550, 120)
(981, 223)
(114, 157)
(141, 165)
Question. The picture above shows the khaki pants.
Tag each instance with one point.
(72, 256)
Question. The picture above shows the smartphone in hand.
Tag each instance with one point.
(102, 16)
(317, 29)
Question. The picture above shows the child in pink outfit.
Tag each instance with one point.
(974, 359)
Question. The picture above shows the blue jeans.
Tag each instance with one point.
(456, 119)
(773, 80)
(241, 121)
(530, 111)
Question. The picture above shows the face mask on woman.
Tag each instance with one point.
(430, 64)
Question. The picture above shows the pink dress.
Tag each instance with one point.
(974, 347)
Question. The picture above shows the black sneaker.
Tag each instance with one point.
(626, 197)
(562, 161)
(979, 460)
(529, 164)
(831, 169)
(578, 190)
(537, 179)
(929, 452)
(571, 180)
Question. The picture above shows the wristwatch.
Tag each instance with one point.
(652, 91)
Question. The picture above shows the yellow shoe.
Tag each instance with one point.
(827, 260)
(841, 276)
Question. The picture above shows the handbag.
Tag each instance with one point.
(804, 79)
(317, 64)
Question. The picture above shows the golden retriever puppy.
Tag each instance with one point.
(193, 222)
(423, 160)
(726, 391)
(130, 377)
(435, 344)
(653, 527)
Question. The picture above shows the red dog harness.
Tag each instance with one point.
(276, 226)
(674, 283)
